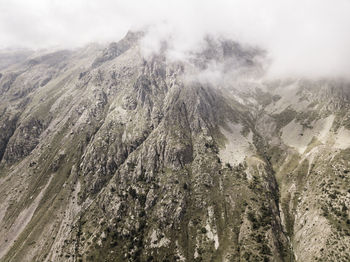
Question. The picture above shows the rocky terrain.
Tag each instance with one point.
(107, 155)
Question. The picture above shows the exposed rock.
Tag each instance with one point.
(110, 156)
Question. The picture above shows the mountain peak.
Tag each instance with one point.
(127, 160)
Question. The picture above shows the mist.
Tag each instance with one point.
(308, 38)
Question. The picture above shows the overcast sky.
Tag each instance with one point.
(305, 37)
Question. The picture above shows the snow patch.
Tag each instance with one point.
(295, 135)
(289, 98)
(211, 232)
(342, 139)
(237, 147)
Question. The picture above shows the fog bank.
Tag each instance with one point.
(302, 38)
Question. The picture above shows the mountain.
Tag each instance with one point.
(108, 155)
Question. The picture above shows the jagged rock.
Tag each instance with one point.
(127, 158)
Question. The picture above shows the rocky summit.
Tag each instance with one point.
(111, 155)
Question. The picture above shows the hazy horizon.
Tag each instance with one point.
(302, 38)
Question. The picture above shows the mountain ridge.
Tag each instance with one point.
(110, 156)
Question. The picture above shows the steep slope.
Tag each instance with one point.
(110, 156)
(310, 153)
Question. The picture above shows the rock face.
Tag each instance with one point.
(109, 156)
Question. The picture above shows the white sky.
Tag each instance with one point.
(302, 37)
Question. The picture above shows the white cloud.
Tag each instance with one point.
(303, 37)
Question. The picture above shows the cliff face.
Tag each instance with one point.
(110, 156)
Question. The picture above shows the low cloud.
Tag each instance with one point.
(308, 38)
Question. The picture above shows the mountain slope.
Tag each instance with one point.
(110, 156)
